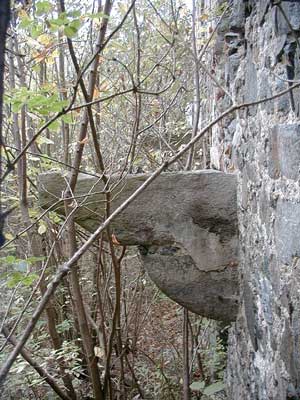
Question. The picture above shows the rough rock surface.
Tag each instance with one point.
(263, 356)
(256, 51)
(185, 225)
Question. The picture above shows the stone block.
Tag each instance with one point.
(285, 151)
(184, 223)
(287, 231)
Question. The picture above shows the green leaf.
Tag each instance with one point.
(20, 368)
(55, 105)
(25, 21)
(31, 260)
(36, 30)
(64, 326)
(74, 14)
(37, 101)
(10, 259)
(70, 31)
(97, 15)
(54, 217)
(61, 21)
(16, 106)
(18, 277)
(43, 111)
(214, 388)
(67, 118)
(43, 7)
(198, 386)
(33, 158)
(75, 24)
(29, 279)
(44, 140)
(54, 127)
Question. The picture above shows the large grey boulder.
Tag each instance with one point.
(184, 223)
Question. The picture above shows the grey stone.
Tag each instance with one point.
(207, 293)
(232, 67)
(284, 102)
(287, 230)
(233, 41)
(263, 353)
(285, 151)
(292, 12)
(250, 313)
(263, 8)
(237, 18)
(244, 198)
(185, 224)
(278, 45)
(264, 91)
(251, 89)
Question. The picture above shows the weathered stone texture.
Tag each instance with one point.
(263, 356)
(285, 149)
(256, 51)
(185, 225)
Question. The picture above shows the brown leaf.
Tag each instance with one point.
(96, 92)
(115, 240)
(84, 140)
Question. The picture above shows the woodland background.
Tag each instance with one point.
(102, 88)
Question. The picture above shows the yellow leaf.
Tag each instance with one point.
(97, 22)
(42, 229)
(55, 53)
(9, 236)
(204, 17)
(103, 86)
(98, 352)
(39, 56)
(44, 39)
(22, 13)
(50, 60)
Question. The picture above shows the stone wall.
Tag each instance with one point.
(255, 52)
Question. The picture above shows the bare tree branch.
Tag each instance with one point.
(66, 267)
